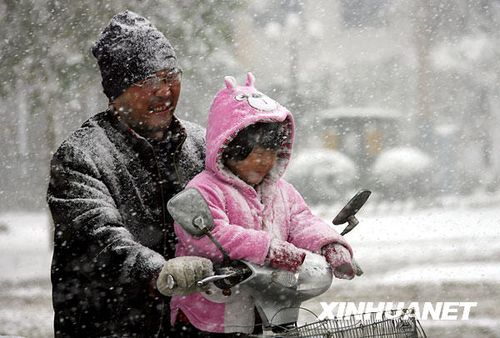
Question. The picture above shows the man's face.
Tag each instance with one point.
(148, 106)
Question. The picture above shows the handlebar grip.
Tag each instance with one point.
(170, 282)
(357, 269)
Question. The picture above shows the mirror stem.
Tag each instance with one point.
(353, 221)
(225, 256)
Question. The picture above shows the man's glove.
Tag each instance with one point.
(179, 275)
(284, 255)
(340, 260)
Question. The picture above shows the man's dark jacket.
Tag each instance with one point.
(108, 192)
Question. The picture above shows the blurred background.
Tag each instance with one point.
(397, 96)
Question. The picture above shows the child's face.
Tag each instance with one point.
(255, 166)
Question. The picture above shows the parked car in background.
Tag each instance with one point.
(323, 176)
(361, 147)
(361, 133)
(401, 173)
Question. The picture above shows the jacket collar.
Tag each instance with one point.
(175, 135)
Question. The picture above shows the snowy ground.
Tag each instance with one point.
(25, 254)
(430, 255)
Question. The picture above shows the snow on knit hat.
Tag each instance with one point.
(129, 49)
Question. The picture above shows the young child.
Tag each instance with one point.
(259, 217)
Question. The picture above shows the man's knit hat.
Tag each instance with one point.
(129, 49)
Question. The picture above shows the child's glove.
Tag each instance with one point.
(285, 256)
(179, 275)
(340, 260)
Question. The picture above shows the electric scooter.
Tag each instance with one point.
(278, 294)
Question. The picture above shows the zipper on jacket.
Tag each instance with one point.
(161, 180)
(176, 167)
(164, 227)
(164, 211)
(174, 159)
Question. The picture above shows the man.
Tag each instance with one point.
(109, 185)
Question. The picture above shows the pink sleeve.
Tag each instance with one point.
(240, 243)
(308, 231)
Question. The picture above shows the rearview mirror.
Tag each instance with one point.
(190, 210)
(352, 207)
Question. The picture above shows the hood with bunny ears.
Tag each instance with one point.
(235, 108)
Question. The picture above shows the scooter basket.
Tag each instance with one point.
(401, 323)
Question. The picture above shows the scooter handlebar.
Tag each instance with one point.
(214, 278)
(210, 279)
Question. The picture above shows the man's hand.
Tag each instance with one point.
(340, 260)
(179, 275)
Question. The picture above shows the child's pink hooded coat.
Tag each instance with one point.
(246, 219)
